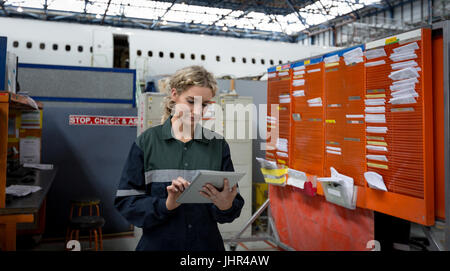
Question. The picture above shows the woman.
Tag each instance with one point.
(164, 159)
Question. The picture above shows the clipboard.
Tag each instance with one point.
(192, 193)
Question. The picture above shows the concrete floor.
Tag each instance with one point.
(129, 243)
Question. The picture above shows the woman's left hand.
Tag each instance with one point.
(222, 199)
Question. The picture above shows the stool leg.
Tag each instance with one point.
(95, 240)
(69, 237)
(101, 238)
(67, 234)
(71, 211)
(90, 237)
(70, 217)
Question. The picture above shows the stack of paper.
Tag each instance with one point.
(376, 129)
(315, 102)
(353, 56)
(375, 53)
(298, 93)
(22, 190)
(282, 144)
(375, 109)
(266, 163)
(375, 63)
(334, 150)
(375, 118)
(299, 68)
(404, 52)
(39, 166)
(314, 70)
(271, 75)
(370, 102)
(402, 65)
(298, 82)
(285, 98)
(404, 74)
(299, 72)
(331, 59)
(377, 148)
(377, 157)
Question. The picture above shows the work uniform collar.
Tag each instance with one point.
(199, 133)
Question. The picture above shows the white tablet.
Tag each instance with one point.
(192, 193)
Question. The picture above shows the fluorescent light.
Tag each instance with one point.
(225, 28)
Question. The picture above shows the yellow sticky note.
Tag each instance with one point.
(377, 165)
(376, 96)
(331, 64)
(391, 40)
(307, 62)
(330, 121)
(378, 143)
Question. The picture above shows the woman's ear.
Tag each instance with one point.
(174, 94)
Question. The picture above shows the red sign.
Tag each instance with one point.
(102, 120)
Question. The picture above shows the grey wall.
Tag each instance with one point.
(89, 161)
(74, 83)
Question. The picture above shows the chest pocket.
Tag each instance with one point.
(159, 189)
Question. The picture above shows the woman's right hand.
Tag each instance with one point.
(174, 191)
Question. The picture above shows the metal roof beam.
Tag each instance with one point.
(167, 11)
(291, 6)
(215, 22)
(106, 11)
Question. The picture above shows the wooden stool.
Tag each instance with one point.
(90, 223)
(84, 222)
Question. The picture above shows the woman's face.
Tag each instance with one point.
(191, 104)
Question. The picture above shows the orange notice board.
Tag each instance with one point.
(370, 108)
(401, 148)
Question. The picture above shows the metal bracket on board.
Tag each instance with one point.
(271, 234)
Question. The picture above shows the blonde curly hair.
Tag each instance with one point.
(182, 80)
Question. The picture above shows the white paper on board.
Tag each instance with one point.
(375, 180)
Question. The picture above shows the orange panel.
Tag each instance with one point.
(344, 120)
(277, 86)
(307, 132)
(438, 106)
(408, 173)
